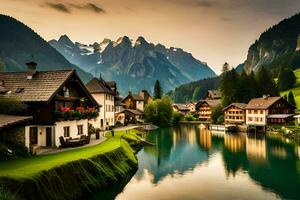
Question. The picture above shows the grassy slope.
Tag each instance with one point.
(295, 90)
(24, 168)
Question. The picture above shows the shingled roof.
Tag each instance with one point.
(99, 86)
(10, 120)
(238, 105)
(214, 94)
(40, 88)
(211, 102)
(262, 103)
(136, 97)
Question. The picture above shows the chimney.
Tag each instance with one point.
(265, 96)
(31, 69)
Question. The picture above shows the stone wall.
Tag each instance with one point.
(14, 135)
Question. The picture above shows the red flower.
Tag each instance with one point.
(79, 108)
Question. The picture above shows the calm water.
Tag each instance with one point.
(192, 163)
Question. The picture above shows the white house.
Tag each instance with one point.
(105, 96)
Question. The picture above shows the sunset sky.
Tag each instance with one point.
(214, 31)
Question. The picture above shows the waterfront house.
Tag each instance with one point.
(58, 101)
(235, 113)
(204, 108)
(268, 110)
(104, 93)
(213, 95)
(129, 116)
(191, 106)
(180, 108)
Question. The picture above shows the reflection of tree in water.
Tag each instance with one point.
(270, 169)
(176, 152)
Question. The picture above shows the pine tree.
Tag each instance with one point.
(230, 87)
(265, 84)
(285, 97)
(158, 93)
(291, 98)
(286, 79)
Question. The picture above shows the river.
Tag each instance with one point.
(189, 162)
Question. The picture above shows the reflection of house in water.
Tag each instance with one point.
(278, 151)
(204, 139)
(256, 148)
(297, 151)
(234, 143)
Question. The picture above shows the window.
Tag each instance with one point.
(249, 111)
(250, 119)
(80, 129)
(261, 112)
(255, 111)
(67, 131)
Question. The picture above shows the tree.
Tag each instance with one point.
(291, 98)
(217, 115)
(285, 97)
(197, 93)
(286, 79)
(230, 88)
(159, 112)
(158, 93)
(225, 67)
(265, 84)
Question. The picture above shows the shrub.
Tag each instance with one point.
(189, 117)
(176, 117)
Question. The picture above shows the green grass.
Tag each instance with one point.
(27, 167)
(295, 90)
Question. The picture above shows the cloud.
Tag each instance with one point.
(68, 7)
(59, 7)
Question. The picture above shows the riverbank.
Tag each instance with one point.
(289, 132)
(71, 174)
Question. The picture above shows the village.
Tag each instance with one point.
(64, 112)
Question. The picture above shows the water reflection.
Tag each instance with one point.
(189, 162)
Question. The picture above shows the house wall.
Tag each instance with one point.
(140, 105)
(107, 111)
(234, 115)
(57, 131)
(204, 112)
(14, 135)
(256, 117)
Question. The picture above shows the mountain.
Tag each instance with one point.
(18, 43)
(135, 65)
(278, 46)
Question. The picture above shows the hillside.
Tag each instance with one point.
(193, 91)
(295, 90)
(278, 46)
(135, 65)
(18, 43)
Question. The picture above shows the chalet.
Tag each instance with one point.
(129, 116)
(180, 108)
(146, 96)
(104, 93)
(213, 95)
(204, 108)
(136, 101)
(235, 113)
(58, 101)
(268, 110)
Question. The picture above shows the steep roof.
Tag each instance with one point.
(41, 87)
(98, 86)
(239, 105)
(136, 97)
(211, 102)
(134, 112)
(10, 120)
(182, 107)
(262, 103)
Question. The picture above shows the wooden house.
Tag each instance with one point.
(204, 108)
(136, 101)
(235, 113)
(180, 108)
(213, 95)
(52, 97)
(268, 110)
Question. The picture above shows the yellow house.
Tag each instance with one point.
(235, 113)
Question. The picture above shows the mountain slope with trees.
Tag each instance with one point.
(18, 43)
(277, 47)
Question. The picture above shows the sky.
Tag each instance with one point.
(214, 31)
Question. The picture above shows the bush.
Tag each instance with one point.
(189, 117)
(5, 195)
(217, 115)
(159, 112)
(8, 152)
(176, 117)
